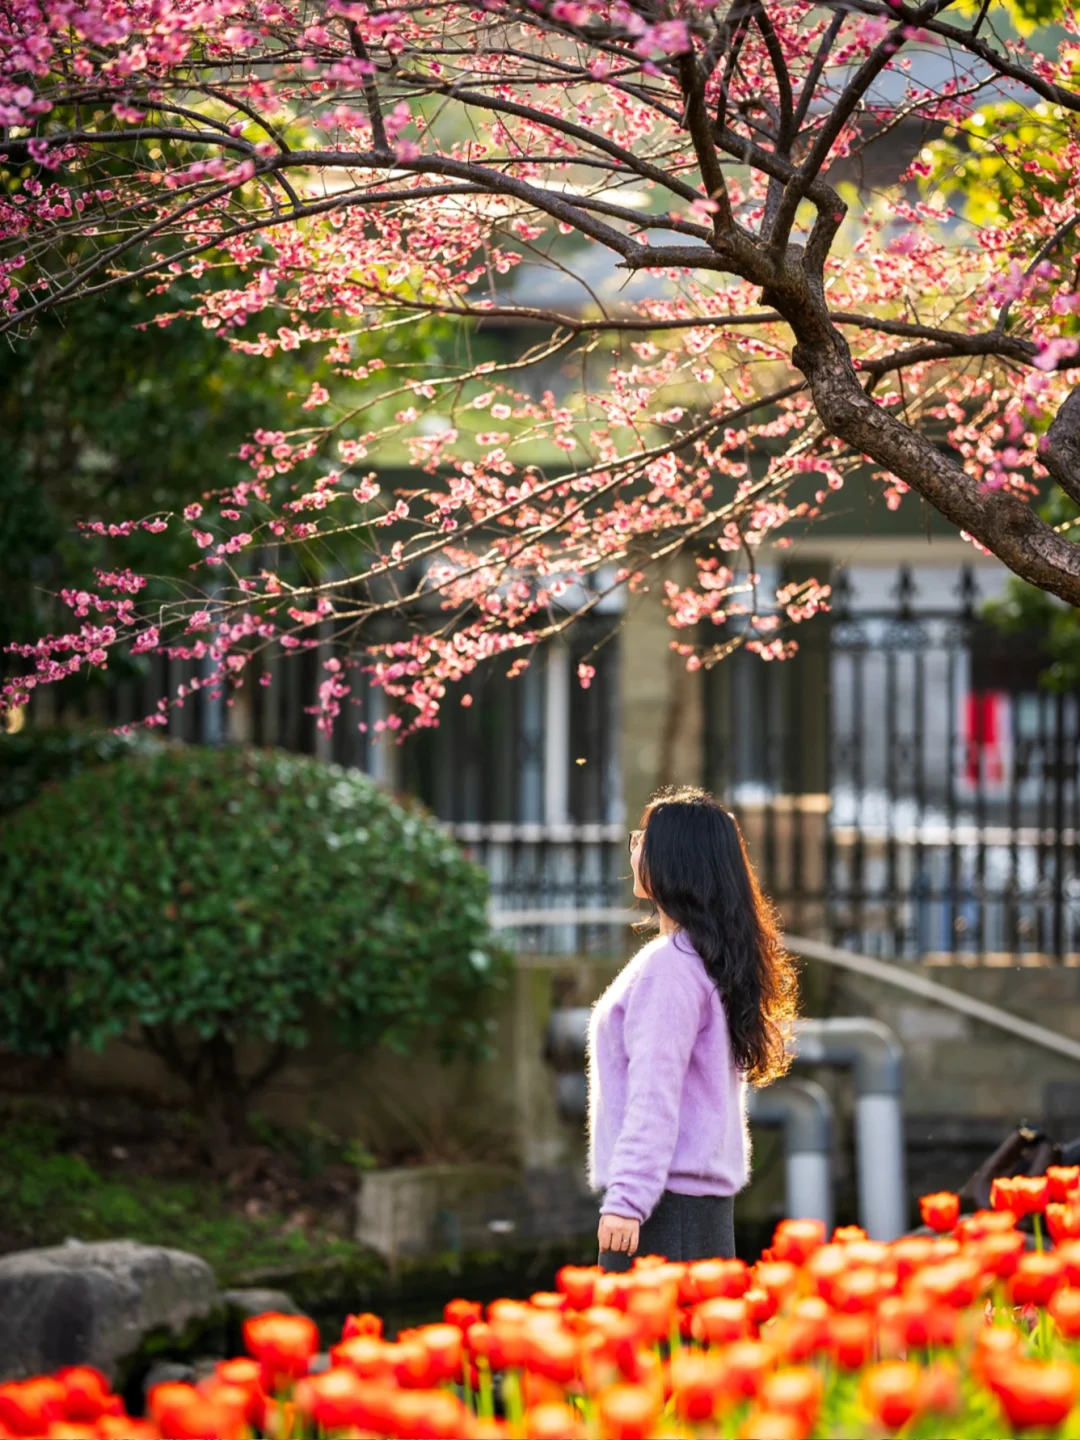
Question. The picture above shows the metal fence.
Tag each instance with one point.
(906, 786)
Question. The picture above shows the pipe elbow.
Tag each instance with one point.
(868, 1046)
(802, 1108)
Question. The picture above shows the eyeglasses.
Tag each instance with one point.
(636, 837)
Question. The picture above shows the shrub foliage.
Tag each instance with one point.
(205, 897)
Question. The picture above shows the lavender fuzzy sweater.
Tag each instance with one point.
(667, 1104)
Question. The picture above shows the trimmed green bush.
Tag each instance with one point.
(33, 758)
(209, 896)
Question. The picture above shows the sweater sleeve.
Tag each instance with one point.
(663, 1016)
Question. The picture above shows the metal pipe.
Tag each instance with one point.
(804, 1112)
(873, 1053)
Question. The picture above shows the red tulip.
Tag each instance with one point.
(998, 1255)
(847, 1234)
(851, 1340)
(710, 1279)
(1063, 1180)
(1064, 1308)
(86, 1393)
(181, 1413)
(913, 1322)
(985, 1222)
(773, 1425)
(699, 1384)
(997, 1348)
(890, 1392)
(746, 1363)
(628, 1412)
(426, 1415)
(779, 1277)
(721, 1320)
(29, 1407)
(940, 1211)
(760, 1305)
(245, 1375)
(578, 1283)
(283, 1345)
(370, 1358)
(957, 1282)
(334, 1400)
(462, 1313)
(910, 1254)
(1036, 1277)
(549, 1300)
(1020, 1194)
(363, 1324)
(1063, 1221)
(795, 1392)
(796, 1240)
(553, 1420)
(1034, 1394)
(551, 1351)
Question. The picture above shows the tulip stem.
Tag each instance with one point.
(1036, 1220)
(512, 1400)
(486, 1408)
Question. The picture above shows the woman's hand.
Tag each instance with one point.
(618, 1232)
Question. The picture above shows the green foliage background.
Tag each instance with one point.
(227, 893)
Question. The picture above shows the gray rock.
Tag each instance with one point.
(164, 1371)
(257, 1301)
(94, 1304)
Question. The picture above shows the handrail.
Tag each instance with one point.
(902, 979)
(889, 973)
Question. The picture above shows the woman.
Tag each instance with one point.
(700, 1010)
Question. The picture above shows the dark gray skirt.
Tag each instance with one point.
(683, 1227)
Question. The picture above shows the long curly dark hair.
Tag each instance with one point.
(694, 866)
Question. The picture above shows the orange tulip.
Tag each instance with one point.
(795, 1392)
(181, 1413)
(551, 1351)
(29, 1407)
(711, 1279)
(628, 1412)
(548, 1300)
(913, 1322)
(654, 1307)
(847, 1234)
(411, 1365)
(910, 1254)
(283, 1345)
(861, 1290)
(1036, 1277)
(426, 1415)
(539, 1390)
(778, 1277)
(444, 1346)
(985, 1222)
(121, 1427)
(940, 1211)
(70, 1430)
(796, 1240)
(699, 1384)
(956, 1282)
(246, 1375)
(578, 1283)
(760, 1306)
(890, 1392)
(999, 1254)
(334, 1400)
(1068, 1252)
(1064, 1308)
(1063, 1180)
(997, 1348)
(851, 1340)
(368, 1357)
(746, 1363)
(1020, 1194)
(1035, 1394)
(803, 1331)
(721, 1320)
(773, 1425)
(553, 1420)
(363, 1324)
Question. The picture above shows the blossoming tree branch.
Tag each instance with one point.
(324, 172)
